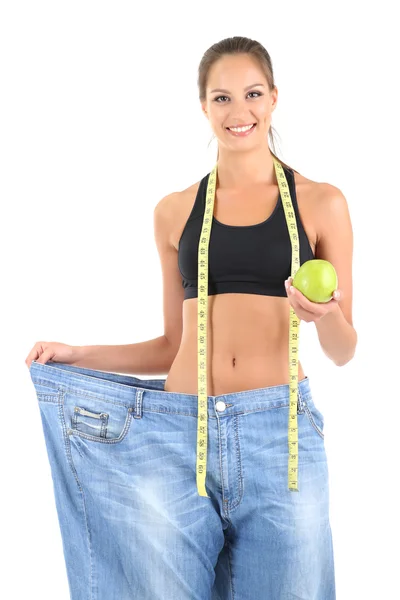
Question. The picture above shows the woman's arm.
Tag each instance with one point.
(337, 337)
(153, 357)
(336, 333)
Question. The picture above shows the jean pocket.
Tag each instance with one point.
(97, 419)
(315, 417)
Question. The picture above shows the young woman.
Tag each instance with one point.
(129, 445)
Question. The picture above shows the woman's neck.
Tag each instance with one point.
(241, 169)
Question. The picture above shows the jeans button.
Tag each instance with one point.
(220, 406)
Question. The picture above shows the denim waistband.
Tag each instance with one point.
(127, 389)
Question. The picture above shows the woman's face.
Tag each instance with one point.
(237, 94)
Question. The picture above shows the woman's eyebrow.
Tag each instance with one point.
(245, 89)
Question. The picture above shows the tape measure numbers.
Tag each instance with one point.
(202, 307)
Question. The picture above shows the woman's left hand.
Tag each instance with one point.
(305, 309)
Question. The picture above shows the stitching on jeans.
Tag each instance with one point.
(225, 501)
(45, 383)
(238, 456)
(78, 419)
(236, 413)
(317, 429)
(76, 392)
(96, 438)
(85, 394)
(67, 448)
(139, 404)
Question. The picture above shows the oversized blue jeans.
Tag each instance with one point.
(123, 461)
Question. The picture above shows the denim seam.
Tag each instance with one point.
(224, 500)
(75, 474)
(77, 392)
(46, 383)
(236, 413)
(310, 417)
(239, 462)
(249, 412)
(85, 394)
(139, 394)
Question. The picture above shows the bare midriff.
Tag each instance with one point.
(247, 345)
(247, 334)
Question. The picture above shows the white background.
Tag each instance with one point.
(100, 119)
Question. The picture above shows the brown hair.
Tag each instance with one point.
(238, 45)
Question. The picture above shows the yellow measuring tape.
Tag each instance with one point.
(202, 305)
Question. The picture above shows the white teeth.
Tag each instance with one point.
(238, 129)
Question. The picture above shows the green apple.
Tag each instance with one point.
(317, 280)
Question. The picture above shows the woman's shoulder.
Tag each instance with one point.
(309, 191)
(315, 200)
(179, 201)
(174, 209)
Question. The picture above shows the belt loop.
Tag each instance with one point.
(138, 413)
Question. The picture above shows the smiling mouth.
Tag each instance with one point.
(242, 128)
(242, 131)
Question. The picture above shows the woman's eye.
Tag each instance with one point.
(218, 98)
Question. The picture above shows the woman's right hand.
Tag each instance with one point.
(54, 351)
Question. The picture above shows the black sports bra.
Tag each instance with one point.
(247, 259)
